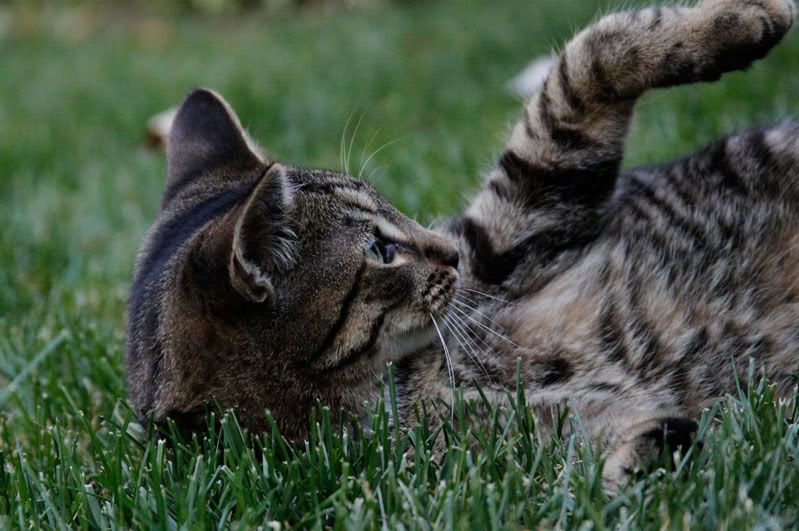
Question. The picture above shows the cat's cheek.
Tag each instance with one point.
(405, 334)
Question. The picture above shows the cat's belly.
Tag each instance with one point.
(595, 335)
(606, 327)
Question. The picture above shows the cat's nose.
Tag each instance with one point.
(446, 256)
(451, 259)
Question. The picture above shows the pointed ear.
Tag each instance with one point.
(206, 136)
(263, 241)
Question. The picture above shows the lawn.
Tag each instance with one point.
(425, 81)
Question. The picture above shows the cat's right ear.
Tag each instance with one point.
(263, 242)
(206, 138)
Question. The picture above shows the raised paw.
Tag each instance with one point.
(738, 32)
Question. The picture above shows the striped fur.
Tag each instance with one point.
(629, 296)
(253, 289)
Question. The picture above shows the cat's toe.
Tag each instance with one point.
(676, 433)
(639, 453)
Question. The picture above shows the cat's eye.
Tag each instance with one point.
(382, 252)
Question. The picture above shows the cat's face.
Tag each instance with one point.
(264, 286)
(365, 281)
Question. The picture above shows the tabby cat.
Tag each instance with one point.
(630, 296)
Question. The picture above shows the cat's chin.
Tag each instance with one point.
(408, 342)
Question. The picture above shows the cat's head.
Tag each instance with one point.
(264, 286)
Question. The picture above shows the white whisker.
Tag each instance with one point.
(342, 145)
(467, 330)
(458, 336)
(352, 141)
(481, 325)
(484, 294)
(375, 152)
(450, 370)
(478, 312)
(375, 171)
(363, 151)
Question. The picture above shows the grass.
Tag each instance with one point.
(79, 190)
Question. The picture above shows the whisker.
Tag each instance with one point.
(471, 298)
(467, 330)
(364, 148)
(450, 370)
(352, 140)
(456, 334)
(484, 294)
(466, 300)
(375, 171)
(475, 310)
(375, 152)
(343, 143)
(481, 325)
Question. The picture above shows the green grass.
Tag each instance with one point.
(79, 190)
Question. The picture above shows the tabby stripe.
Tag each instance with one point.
(566, 138)
(557, 370)
(604, 89)
(641, 330)
(769, 164)
(679, 70)
(165, 242)
(498, 190)
(611, 334)
(680, 382)
(343, 315)
(677, 372)
(676, 220)
(678, 182)
(685, 190)
(695, 345)
(569, 94)
(730, 178)
(328, 188)
(492, 267)
(488, 266)
(650, 347)
(358, 352)
(528, 124)
(645, 232)
(589, 186)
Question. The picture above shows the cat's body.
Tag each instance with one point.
(630, 298)
(652, 319)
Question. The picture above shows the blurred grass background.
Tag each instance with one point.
(426, 79)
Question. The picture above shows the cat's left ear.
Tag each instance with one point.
(206, 138)
(263, 241)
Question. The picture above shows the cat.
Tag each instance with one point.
(630, 296)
